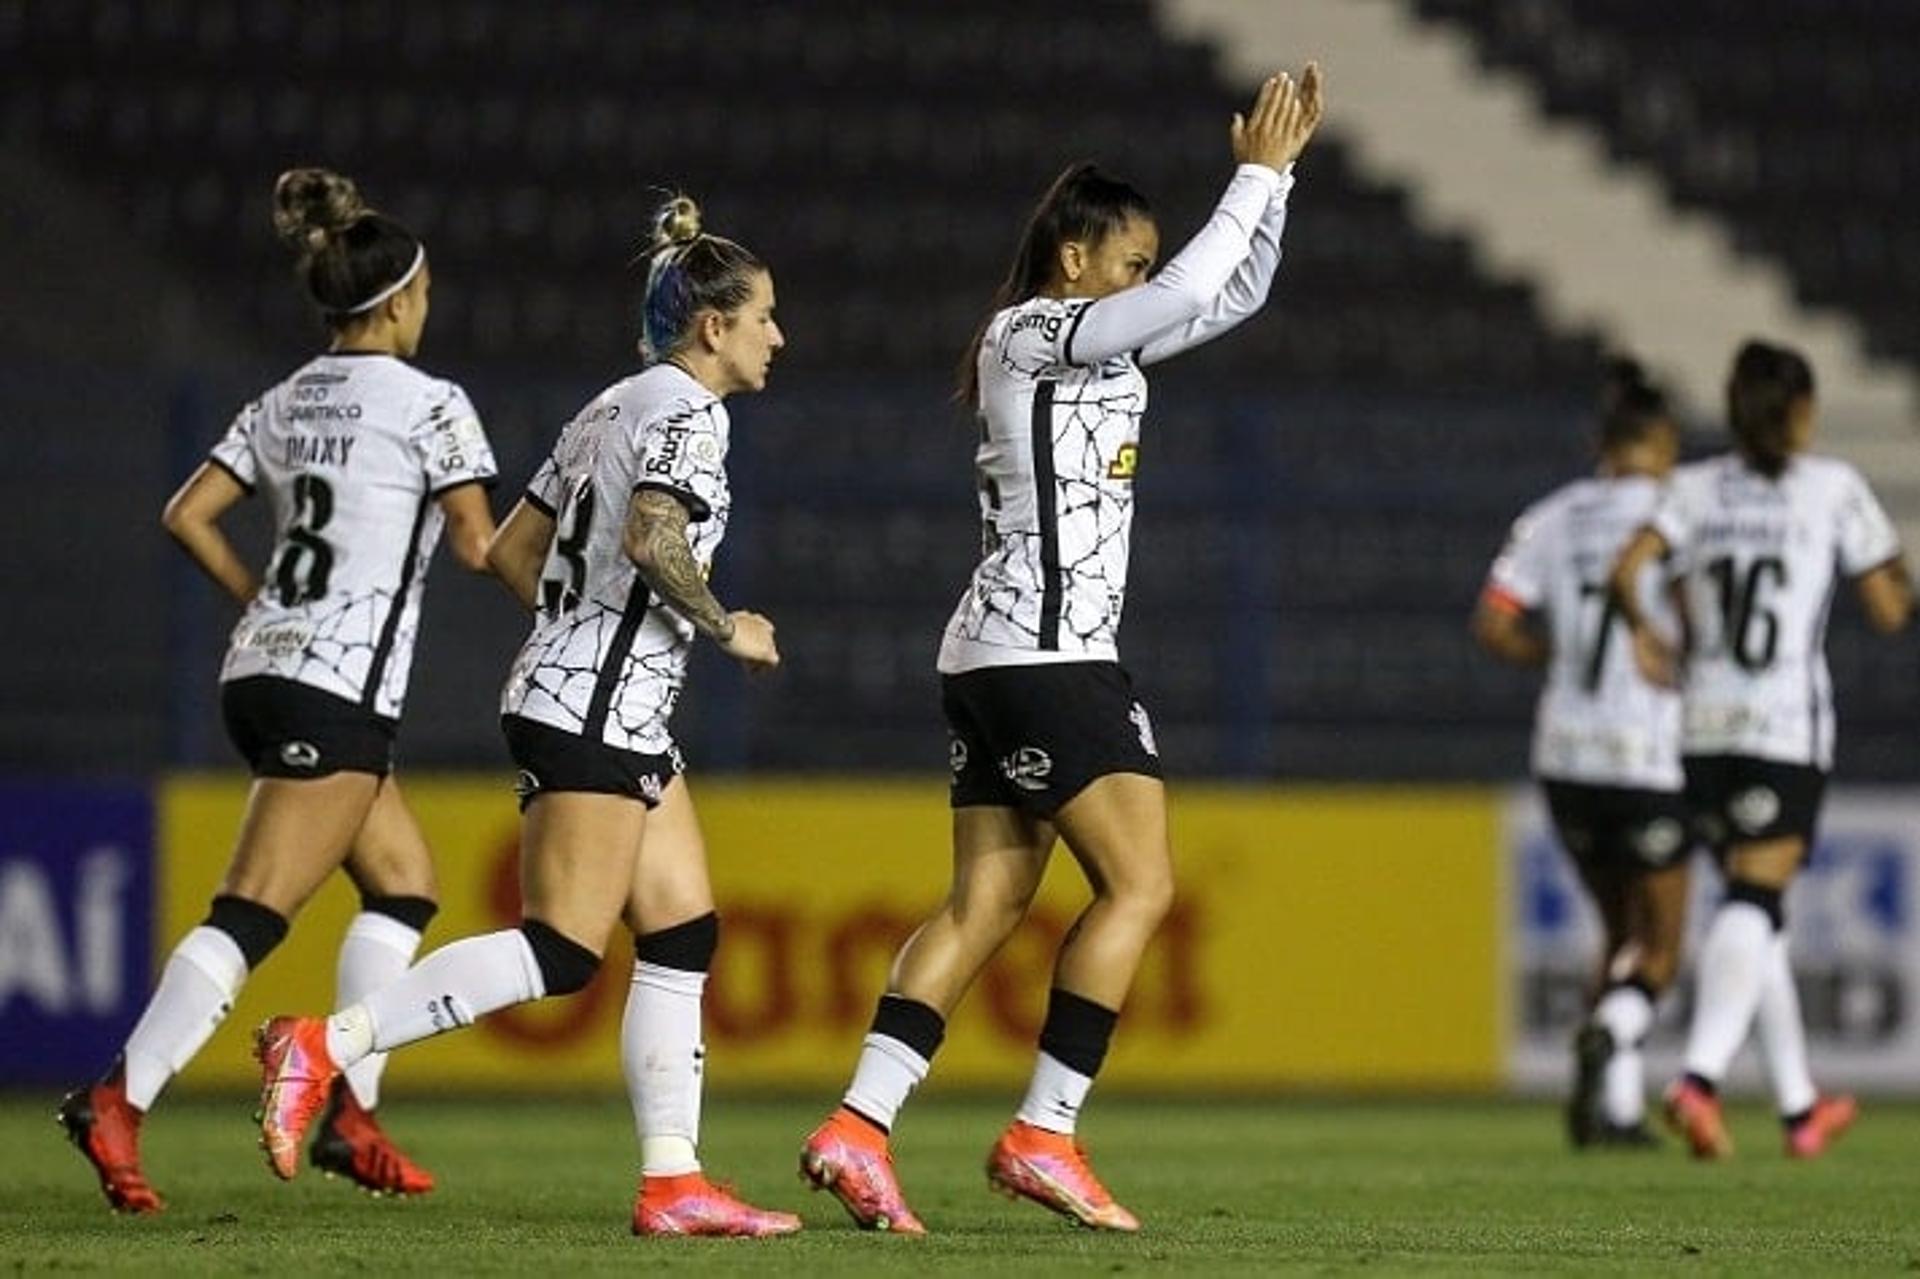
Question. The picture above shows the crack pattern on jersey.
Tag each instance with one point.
(1056, 467)
(605, 660)
(350, 451)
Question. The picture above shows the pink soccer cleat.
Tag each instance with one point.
(105, 1128)
(691, 1205)
(296, 1074)
(849, 1157)
(1694, 1113)
(1051, 1169)
(1823, 1125)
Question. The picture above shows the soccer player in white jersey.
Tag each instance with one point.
(1606, 740)
(610, 547)
(365, 460)
(1046, 737)
(1759, 539)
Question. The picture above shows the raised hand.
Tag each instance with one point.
(1282, 119)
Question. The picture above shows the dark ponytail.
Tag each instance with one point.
(688, 271)
(348, 257)
(1082, 204)
(1630, 405)
(1767, 381)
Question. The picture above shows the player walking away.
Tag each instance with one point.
(364, 459)
(1047, 738)
(1606, 741)
(1758, 538)
(610, 547)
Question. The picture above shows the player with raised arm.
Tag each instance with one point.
(1047, 739)
(364, 459)
(610, 548)
(1759, 538)
(1606, 740)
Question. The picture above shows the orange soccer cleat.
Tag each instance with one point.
(1822, 1126)
(1694, 1113)
(105, 1128)
(350, 1143)
(850, 1157)
(296, 1074)
(1051, 1169)
(689, 1204)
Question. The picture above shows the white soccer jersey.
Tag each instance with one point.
(1061, 399)
(1598, 722)
(606, 660)
(352, 450)
(1761, 559)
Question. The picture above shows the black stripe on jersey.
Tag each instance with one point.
(538, 503)
(1066, 347)
(1046, 498)
(614, 664)
(697, 508)
(484, 481)
(238, 478)
(377, 670)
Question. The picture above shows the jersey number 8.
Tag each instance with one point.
(305, 562)
(565, 574)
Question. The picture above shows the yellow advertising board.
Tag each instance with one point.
(1341, 938)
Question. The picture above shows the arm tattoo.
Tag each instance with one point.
(657, 543)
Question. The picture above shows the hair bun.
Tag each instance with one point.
(676, 222)
(310, 206)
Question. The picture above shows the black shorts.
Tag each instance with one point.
(1737, 799)
(1033, 737)
(552, 759)
(1618, 826)
(286, 729)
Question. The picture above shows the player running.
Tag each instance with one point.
(1047, 738)
(365, 459)
(610, 547)
(1606, 741)
(1759, 538)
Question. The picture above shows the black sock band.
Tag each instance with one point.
(1767, 899)
(1077, 1031)
(255, 929)
(688, 947)
(911, 1022)
(1793, 1121)
(565, 965)
(1635, 982)
(415, 912)
(1704, 1084)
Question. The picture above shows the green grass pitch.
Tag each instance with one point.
(1431, 1187)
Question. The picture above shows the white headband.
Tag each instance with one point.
(406, 278)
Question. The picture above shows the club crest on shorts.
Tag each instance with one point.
(526, 785)
(300, 755)
(1659, 840)
(650, 788)
(1144, 726)
(956, 755)
(1754, 808)
(1028, 768)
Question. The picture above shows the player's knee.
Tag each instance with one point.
(991, 911)
(565, 965)
(688, 947)
(1766, 897)
(254, 928)
(1148, 895)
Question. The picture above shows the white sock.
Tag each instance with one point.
(1626, 1013)
(1733, 968)
(1055, 1095)
(1783, 1036)
(194, 996)
(375, 951)
(445, 991)
(663, 1058)
(888, 1073)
